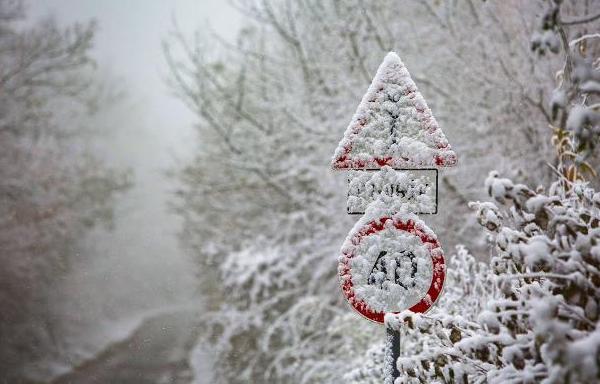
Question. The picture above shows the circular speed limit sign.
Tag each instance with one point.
(391, 264)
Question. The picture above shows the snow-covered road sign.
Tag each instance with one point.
(417, 189)
(391, 261)
(393, 126)
(391, 264)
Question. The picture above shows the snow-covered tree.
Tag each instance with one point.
(51, 188)
(263, 214)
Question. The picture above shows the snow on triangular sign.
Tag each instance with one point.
(393, 126)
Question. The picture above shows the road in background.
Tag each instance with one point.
(156, 352)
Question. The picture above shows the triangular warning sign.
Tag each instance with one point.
(393, 126)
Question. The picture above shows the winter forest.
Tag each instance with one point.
(169, 212)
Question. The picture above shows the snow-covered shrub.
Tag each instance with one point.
(574, 112)
(541, 323)
(303, 336)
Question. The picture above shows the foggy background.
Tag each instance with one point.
(137, 268)
(150, 134)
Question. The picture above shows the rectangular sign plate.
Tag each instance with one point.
(415, 187)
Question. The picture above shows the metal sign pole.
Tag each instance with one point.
(392, 353)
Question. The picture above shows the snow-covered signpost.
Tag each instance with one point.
(391, 261)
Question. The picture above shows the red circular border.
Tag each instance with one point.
(410, 226)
